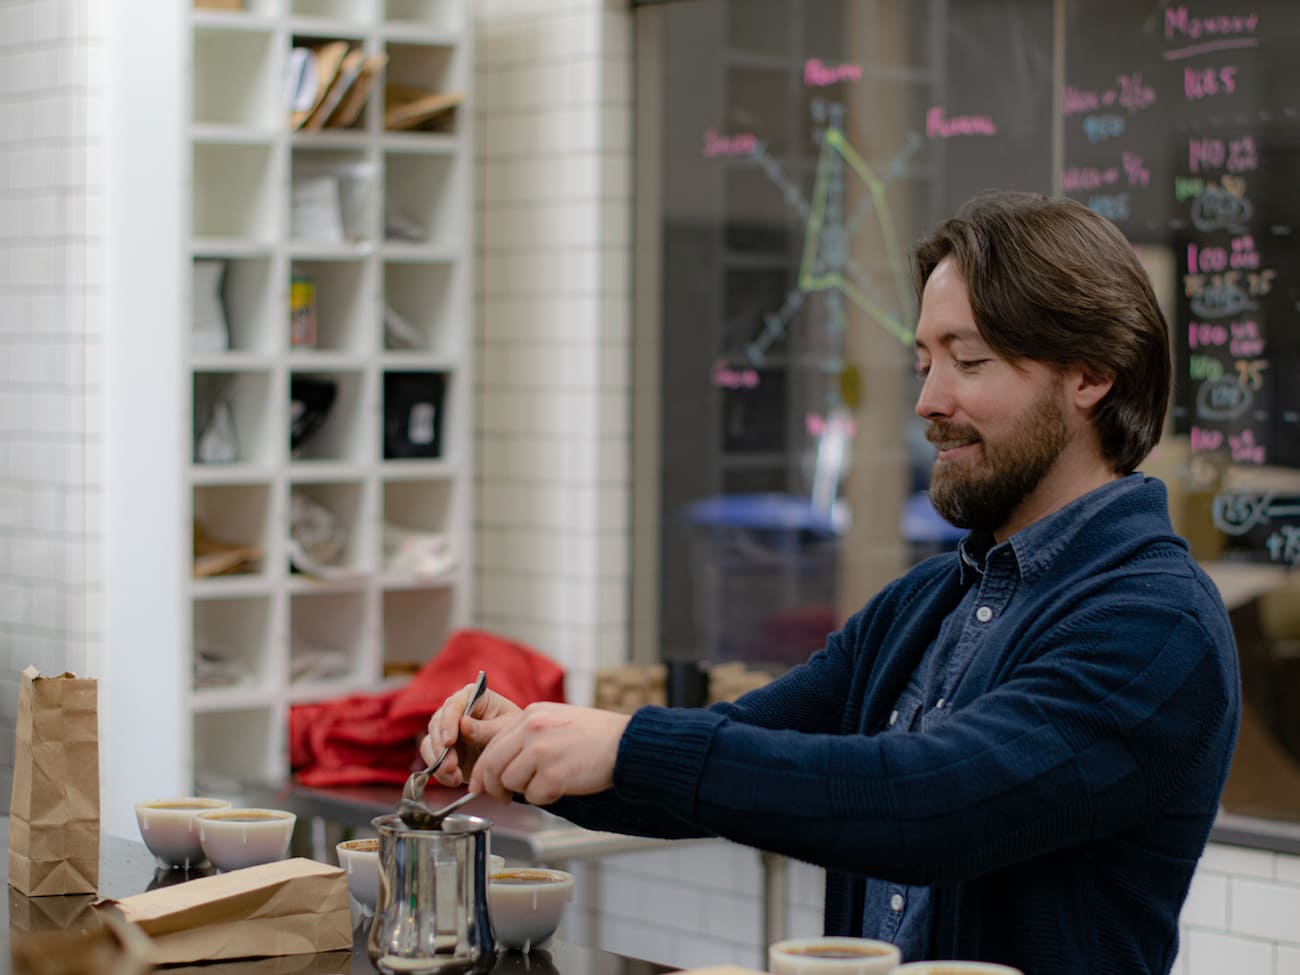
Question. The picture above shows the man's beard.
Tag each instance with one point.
(982, 491)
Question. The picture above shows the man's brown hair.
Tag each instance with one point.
(1051, 281)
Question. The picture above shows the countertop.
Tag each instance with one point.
(127, 868)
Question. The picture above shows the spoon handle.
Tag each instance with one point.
(416, 784)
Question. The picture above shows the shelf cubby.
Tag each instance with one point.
(235, 515)
(237, 79)
(327, 632)
(238, 633)
(416, 622)
(346, 434)
(346, 305)
(248, 395)
(422, 506)
(346, 11)
(418, 189)
(234, 192)
(436, 15)
(346, 502)
(426, 298)
(248, 301)
(333, 194)
(431, 67)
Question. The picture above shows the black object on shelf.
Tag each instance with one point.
(413, 414)
(310, 402)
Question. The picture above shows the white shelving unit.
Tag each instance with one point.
(243, 159)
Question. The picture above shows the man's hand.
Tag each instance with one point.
(545, 751)
(445, 729)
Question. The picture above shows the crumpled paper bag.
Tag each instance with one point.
(289, 907)
(54, 808)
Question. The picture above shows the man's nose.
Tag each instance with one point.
(934, 400)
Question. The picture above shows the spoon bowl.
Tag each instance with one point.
(416, 815)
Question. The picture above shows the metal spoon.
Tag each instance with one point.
(417, 815)
(416, 783)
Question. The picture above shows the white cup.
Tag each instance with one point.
(832, 956)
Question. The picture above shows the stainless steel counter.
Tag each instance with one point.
(127, 868)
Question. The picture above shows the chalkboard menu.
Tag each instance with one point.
(1183, 127)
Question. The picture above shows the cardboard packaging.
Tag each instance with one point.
(54, 808)
(291, 907)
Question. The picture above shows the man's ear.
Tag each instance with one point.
(1086, 388)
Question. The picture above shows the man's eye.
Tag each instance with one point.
(920, 371)
(966, 365)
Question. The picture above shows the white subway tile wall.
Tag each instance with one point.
(51, 286)
(554, 103)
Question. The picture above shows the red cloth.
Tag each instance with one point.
(375, 737)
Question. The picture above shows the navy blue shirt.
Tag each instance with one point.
(997, 577)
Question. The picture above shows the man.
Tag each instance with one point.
(1013, 753)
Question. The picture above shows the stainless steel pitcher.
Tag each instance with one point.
(431, 917)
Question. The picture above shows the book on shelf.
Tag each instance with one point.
(342, 82)
(311, 77)
(406, 107)
(354, 99)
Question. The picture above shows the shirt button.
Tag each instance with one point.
(896, 902)
(940, 702)
(893, 718)
(984, 614)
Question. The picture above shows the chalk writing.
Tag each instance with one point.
(1283, 545)
(1112, 206)
(1203, 440)
(1221, 398)
(819, 75)
(1137, 173)
(1217, 33)
(1236, 155)
(1179, 25)
(1088, 177)
(1216, 295)
(1207, 82)
(1246, 340)
(741, 144)
(1244, 449)
(1250, 373)
(724, 377)
(1237, 512)
(1099, 128)
(1206, 334)
(1216, 208)
(1128, 93)
(941, 126)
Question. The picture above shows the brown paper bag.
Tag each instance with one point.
(104, 944)
(290, 907)
(54, 809)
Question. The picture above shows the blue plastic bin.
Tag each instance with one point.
(764, 574)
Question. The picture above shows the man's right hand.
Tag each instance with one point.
(450, 726)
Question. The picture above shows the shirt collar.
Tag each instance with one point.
(1034, 547)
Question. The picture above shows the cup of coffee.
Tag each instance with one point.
(236, 838)
(832, 956)
(360, 861)
(526, 904)
(956, 968)
(169, 830)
